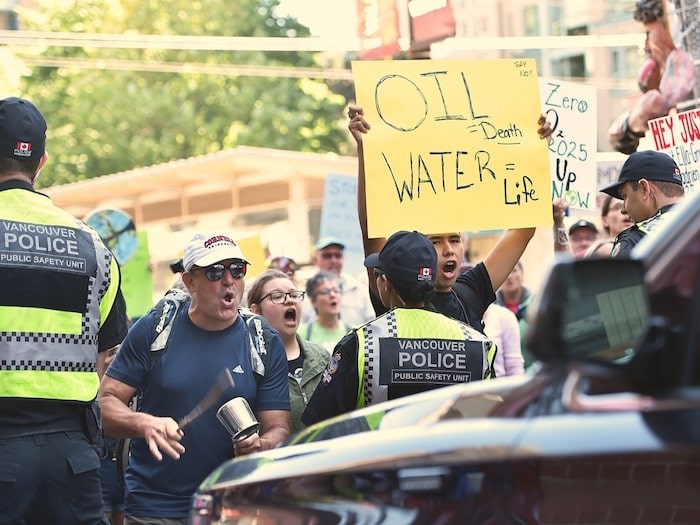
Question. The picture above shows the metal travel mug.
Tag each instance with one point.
(238, 418)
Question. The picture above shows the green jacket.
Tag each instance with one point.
(315, 360)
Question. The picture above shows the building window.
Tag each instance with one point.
(624, 62)
(260, 218)
(8, 20)
(532, 22)
(555, 18)
(570, 67)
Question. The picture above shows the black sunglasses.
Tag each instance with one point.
(215, 272)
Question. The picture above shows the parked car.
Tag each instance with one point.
(606, 430)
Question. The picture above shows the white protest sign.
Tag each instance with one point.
(339, 219)
(571, 109)
(678, 135)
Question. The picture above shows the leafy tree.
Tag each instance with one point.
(104, 121)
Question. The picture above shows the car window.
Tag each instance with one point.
(672, 276)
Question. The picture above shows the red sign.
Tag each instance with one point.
(431, 20)
(378, 28)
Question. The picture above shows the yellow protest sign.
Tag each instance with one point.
(253, 249)
(453, 145)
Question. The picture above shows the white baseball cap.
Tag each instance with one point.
(202, 251)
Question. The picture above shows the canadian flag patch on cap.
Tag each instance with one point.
(23, 149)
(425, 273)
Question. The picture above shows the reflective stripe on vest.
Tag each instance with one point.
(400, 348)
(654, 222)
(49, 332)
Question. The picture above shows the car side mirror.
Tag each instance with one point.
(589, 310)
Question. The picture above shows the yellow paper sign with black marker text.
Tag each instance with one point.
(453, 145)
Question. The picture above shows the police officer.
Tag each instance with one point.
(650, 184)
(60, 310)
(411, 348)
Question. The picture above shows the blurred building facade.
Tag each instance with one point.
(607, 56)
(274, 194)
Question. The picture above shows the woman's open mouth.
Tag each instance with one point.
(290, 317)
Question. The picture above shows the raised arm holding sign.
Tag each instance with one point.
(464, 297)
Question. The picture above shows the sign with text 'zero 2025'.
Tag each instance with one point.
(453, 145)
(571, 109)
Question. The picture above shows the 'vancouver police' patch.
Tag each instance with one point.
(331, 368)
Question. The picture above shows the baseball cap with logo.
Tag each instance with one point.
(407, 259)
(203, 251)
(22, 130)
(650, 165)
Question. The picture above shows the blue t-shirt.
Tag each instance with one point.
(177, 381)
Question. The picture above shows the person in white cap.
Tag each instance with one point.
(207, 335)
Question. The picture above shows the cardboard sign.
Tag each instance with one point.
(339, 219)
(571, 109)
(678, 135)
(453, 145)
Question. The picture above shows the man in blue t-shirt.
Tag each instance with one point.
(207, 335)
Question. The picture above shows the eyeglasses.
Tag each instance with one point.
(295, 296)
(332, 255)
(328, 291)
(215, 272)
(378, 273)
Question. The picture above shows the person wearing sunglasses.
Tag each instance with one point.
(275, 296)
(409, 349)
(207, 336)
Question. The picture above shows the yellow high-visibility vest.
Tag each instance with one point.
(58, 283)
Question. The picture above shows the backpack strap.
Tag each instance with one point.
(259, 341)
(165, 311)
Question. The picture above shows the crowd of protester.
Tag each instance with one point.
(421, 315)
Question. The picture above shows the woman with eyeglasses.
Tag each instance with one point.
(275, 297)
(325, 292)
